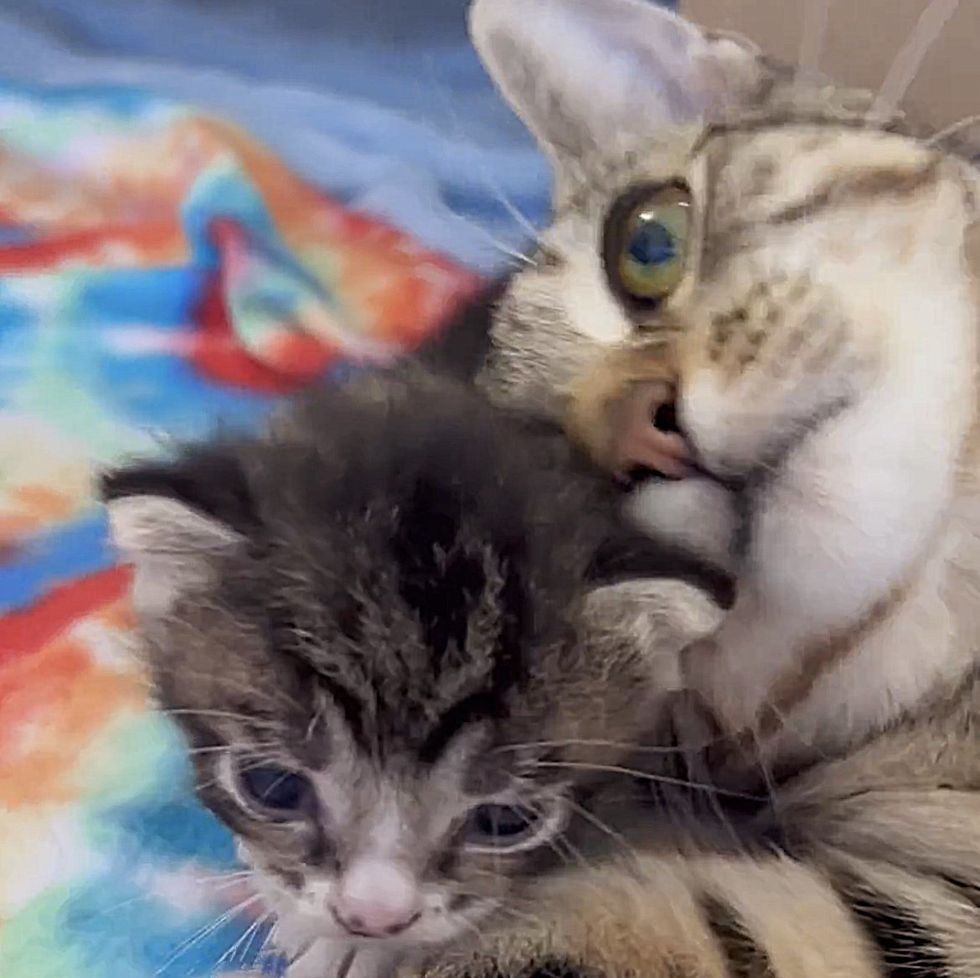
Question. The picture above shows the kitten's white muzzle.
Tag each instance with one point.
(376, 898)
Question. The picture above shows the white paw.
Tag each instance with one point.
(695, 514)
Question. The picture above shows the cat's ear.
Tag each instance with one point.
(173, 520)
(587, 75)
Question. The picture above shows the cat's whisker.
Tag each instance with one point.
(647, 776)
(813, 35)
(503, 248)
(486, 174)
(908, 61)
(952, 130)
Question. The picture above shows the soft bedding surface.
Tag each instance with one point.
(159, 271)
(383, 102)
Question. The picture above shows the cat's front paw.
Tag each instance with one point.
(696, 514)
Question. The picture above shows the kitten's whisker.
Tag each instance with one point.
(227, 682)
(263, 921)
(254, 762)
(224, 884)
(908, 61)
(499, 905)
(218, 748)
(229, 954)
(218, 714)
(612, 744)
(647, 776)
(470, 925)
(559, 839)
(592, 819)
(225, 877)
(203, 932)
(518, 915)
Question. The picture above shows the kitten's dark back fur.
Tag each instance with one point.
(396, 509)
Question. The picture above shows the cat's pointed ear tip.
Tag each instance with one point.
(485, 17)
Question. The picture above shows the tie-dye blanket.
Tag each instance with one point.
(159, 272)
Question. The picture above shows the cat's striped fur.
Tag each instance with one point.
(823, 342)
(868, 867)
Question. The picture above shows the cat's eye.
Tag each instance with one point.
(646, 242)
(501, 827)
(275, 790)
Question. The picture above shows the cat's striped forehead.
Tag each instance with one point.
(776, 173)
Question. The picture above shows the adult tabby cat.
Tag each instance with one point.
(789, 266)
(796, 267)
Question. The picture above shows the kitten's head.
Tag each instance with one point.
(793, 249)
(374, 625)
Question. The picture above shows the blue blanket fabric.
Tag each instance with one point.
(382, 102)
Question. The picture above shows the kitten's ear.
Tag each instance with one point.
(660, 617)
(585, 75)
(172, 520)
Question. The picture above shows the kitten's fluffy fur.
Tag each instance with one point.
(823, 338)
(392, 594)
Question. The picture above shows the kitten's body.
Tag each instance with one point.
(381, 624)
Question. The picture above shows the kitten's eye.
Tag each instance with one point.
(646, 240)
(276, 789)
(501, 827)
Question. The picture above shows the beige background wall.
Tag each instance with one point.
(863, 38)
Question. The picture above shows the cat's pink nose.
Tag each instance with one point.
(377, 899)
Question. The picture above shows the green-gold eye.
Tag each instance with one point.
(646, 242)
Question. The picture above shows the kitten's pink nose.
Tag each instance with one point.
(377, 899)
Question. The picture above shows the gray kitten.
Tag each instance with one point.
(398, 629)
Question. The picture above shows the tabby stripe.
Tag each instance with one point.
(745, 958)
(351, 706)
(906, 946)
(968, 891)
(551, 968)
(845, 188)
